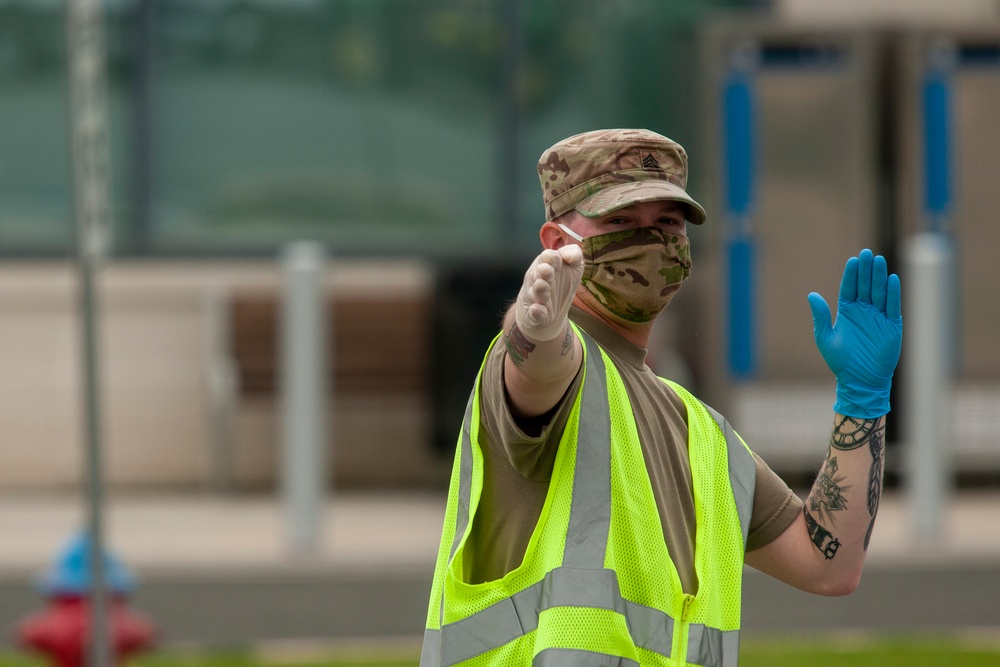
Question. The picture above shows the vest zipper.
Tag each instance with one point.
(681, 632)
(688, 599)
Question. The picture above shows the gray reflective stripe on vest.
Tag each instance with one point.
(464, 499)
(742, 472)
(590, 514)
(710, 647)
(650, 629)
(517, 615)
(464, 477)
(430, 653)
(566, 657)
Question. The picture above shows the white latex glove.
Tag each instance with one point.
(549, 285)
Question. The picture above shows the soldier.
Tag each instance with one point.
(600, 515)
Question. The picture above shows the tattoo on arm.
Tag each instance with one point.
(850, 432)
(567, 346)
(821, 537)
(877, 446)
(518, 347)
(827, 492)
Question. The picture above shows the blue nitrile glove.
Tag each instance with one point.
(862, 348)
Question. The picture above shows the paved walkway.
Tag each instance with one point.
(219, 571)
(383, 530)
(207, 531)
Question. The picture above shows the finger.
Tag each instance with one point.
(822, 326)
(865, 261)
(892, 298)
(532, 273)
(571, 254)
(548, 257)
(537, 314)
(880, 276)
(541, 291)
(544, 271)
(849, 283)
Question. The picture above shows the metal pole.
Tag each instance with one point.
(304, 393)
(929, 266)
(90, 158)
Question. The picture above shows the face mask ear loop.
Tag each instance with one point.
(570, 232)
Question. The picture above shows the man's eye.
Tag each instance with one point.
(617, 221)
(671, 221)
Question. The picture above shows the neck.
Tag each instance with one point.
(637, 334)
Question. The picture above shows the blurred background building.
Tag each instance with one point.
(403, 136)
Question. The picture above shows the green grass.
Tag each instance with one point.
(797, 651)
(222, 659)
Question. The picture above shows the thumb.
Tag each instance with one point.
(822, 325)
(572, 255)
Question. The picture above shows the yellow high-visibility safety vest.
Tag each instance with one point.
(597, 586)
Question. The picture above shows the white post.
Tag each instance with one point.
(929, 291)
(304, 393)
(222, 385)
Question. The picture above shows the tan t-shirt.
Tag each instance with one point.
(517, 467)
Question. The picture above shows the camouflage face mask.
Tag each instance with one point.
(634, 273)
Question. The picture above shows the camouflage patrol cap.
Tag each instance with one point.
(604, 170)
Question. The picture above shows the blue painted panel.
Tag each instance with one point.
(937, 144)
(798, 55)
(738, 160)
(979, 55)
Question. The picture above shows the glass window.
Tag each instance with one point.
(375, 126)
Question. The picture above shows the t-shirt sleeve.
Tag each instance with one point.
(775, 506)
(532, 456)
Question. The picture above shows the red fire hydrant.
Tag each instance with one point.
(62, 630)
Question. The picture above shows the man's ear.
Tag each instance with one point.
(551, 236)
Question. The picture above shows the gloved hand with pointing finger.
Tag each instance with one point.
(862, 347)
(549, 285)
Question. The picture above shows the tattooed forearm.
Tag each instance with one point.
(821, 537)
(839, 513)
(567, 346)
(850, 432)
(518, 347)
(827, 492)
(876, 443)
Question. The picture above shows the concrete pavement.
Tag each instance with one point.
(219, 570)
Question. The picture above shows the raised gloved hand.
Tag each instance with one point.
(862, 348)
(547, 293)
